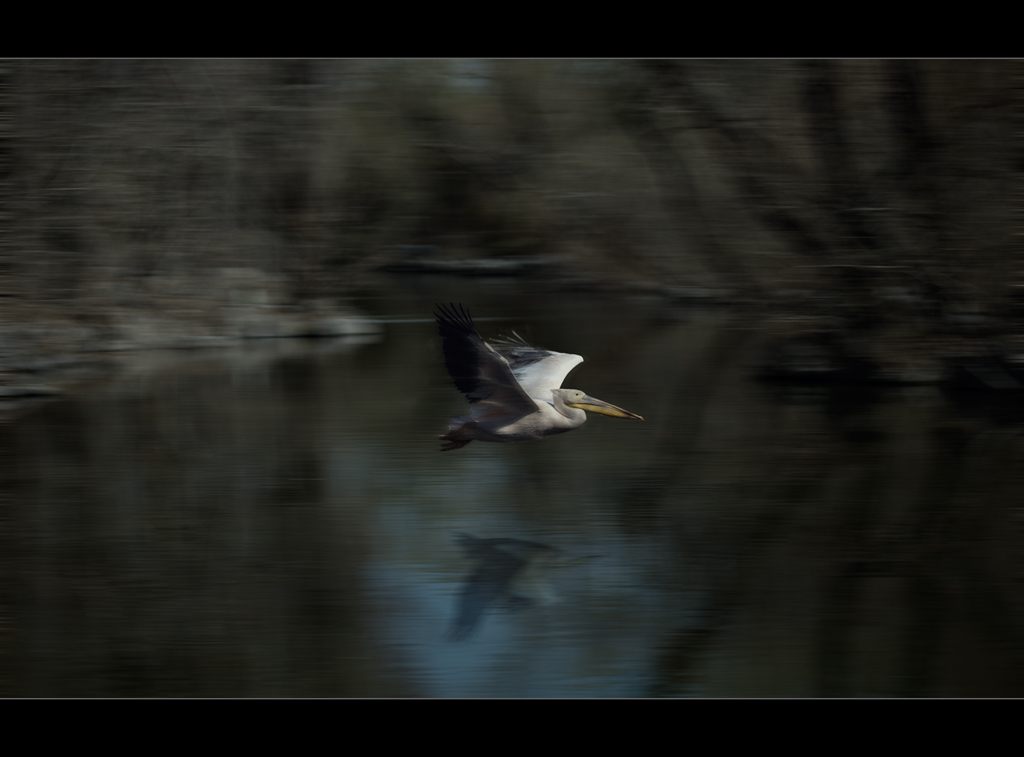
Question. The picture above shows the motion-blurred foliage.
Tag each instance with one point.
(845, 177)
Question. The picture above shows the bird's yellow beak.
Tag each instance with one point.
(592, 405)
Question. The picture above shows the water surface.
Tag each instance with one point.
(277, 521)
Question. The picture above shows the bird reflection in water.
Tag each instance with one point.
(510, 574)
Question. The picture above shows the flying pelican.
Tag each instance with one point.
(513, 388)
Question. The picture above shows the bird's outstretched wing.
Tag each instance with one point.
(477, 369)
(538, 371)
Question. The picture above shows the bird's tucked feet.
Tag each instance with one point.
(455, 438)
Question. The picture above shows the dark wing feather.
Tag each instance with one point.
(517, 352)
(477, 370)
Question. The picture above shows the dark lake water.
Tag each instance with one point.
(277, 521)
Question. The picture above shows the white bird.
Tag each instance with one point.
(514, 389)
